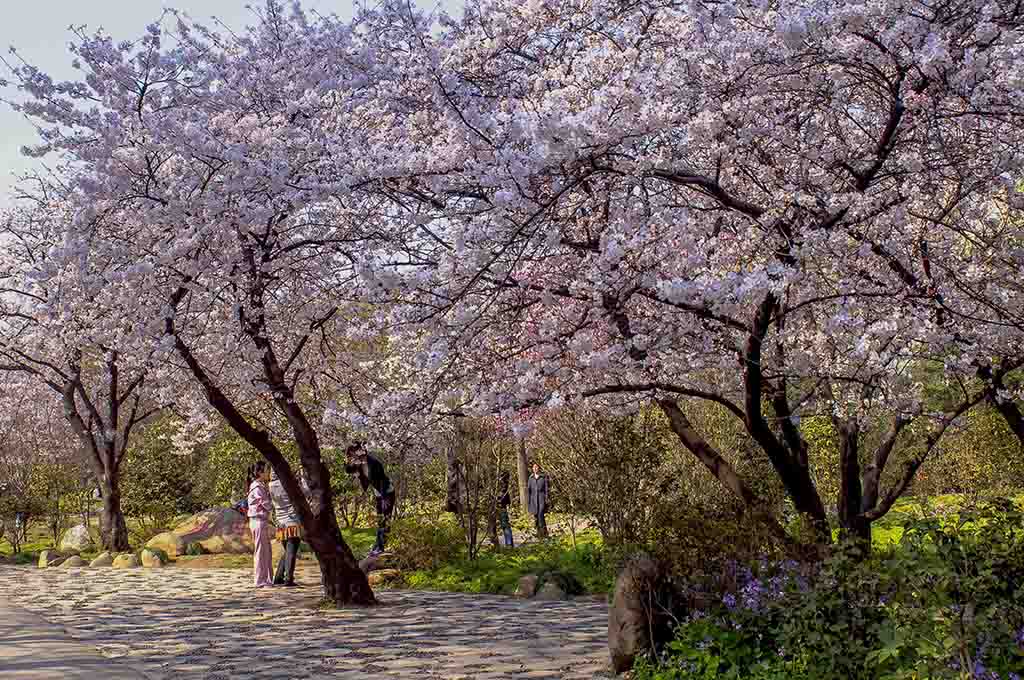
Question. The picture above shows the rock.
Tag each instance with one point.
(378, 562)
(527, 585)
(76, 539)
(382, 576)
(153, 558)
(73, 561)
(50, 558)
(125, 561)
(551, 591)
(168, 542)
(643, 609)
(104, 559)
(217, 530)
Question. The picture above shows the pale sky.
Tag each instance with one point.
(39, 31)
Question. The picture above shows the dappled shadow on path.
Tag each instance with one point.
(212, 624)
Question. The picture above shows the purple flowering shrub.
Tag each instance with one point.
(947, 601)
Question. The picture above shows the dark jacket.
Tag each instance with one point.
(505, 499)
(372, 475)
(537, 494)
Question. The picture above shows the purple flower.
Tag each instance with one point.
(729, 601)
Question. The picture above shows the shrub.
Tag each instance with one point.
(945, 602)
(196, 549)
(425, 542)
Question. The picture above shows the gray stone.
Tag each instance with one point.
(153, 558)
(76, 539)
(527, 585)
(126, 561)
(377, 562)
(641, 613)
(50, 558)
(551, 591)
(104, 559)
(73, 561)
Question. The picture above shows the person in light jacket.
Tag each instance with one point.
(289, 529)
(259, 507)
(537, 499)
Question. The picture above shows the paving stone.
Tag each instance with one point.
(191, 624)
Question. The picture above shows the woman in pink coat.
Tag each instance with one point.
(260, 506)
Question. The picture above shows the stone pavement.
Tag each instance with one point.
(32, 649)
(211, 624)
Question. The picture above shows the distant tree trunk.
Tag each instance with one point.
(113, 528)
(522, 468)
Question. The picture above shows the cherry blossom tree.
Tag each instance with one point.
(103, 384)
(734, 202)
(216, 183)
(738, 202)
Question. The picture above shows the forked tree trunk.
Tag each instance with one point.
(343, 581)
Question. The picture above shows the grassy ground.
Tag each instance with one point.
(498, 571)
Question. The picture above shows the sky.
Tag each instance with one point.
(39, 30)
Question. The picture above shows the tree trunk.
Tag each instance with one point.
(113, 528)
(343, 581)
(1011, 413)
(522, 468)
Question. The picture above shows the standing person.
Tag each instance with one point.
(504, 501)
(259, 507)
(537, 499)
(372, 475)
(289, 529)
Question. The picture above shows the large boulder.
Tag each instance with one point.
(217, 530)
(551, 591)
(50, 558)
(642, 613)
(153, 558)
(104, 559)
(76, 539)
(527, 586)
(73, 561)
(126, 561)
(169, 542)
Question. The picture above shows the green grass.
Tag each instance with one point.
(499, 571)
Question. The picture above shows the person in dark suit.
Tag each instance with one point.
(537, 499)
(504, 501)
(372, 475)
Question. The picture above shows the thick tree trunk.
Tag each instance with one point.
(522, 468)
(113, 528)
(343, 581)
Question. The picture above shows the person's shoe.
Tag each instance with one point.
(291, 584)
(374, 552)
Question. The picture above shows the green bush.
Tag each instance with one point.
(425, 543)
(945, 602)
(195, 549)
